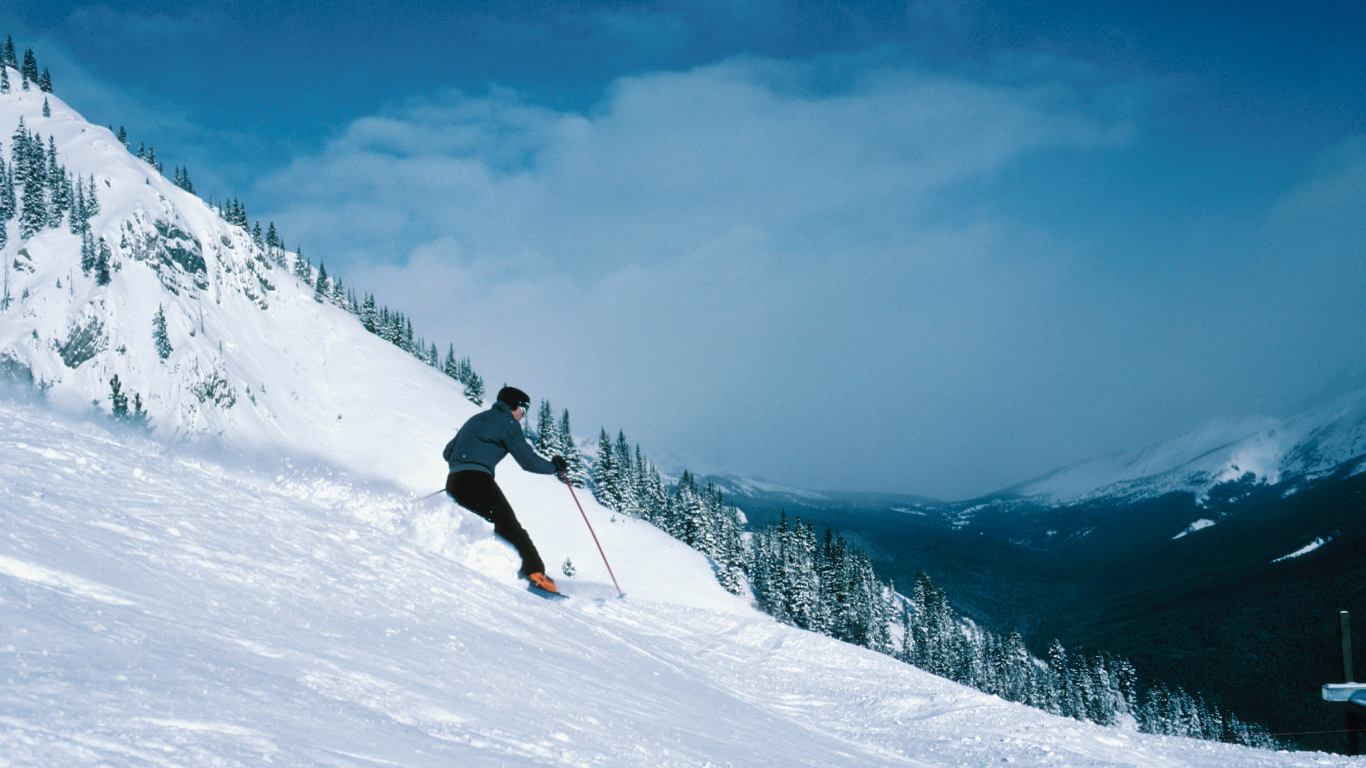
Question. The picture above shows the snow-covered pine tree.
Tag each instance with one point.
(368, 316)
(103, 259)
(1062, 699)
(118, 400)
(578, 469)
(92, 200)
(474, 389)
(340, 300)
(660, 504)
(606, 486)
(9, 57)
(87, 253)
(302, 269)
(159, 334)
(321, 288)
(122, 136)
(7, 200)
(182, 179)
(627, 488)
(547, 435)
(4, 80)
(45, 84)
(79, 221)
(30, 66)
(47, 110)
(33, 206)
(59, 193)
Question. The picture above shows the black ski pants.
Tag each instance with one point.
(477, 492)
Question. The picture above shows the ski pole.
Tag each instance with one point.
(595, 536)
(428, 496)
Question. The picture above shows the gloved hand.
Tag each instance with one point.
(561, 466)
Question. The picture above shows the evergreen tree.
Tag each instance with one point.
(159, 334)
(117, 398)
(122, 136)
(141, 154)
(627, 488)
(103, 257)
(9, 53)
(474, 389)
(339, 299)
(30, 68)
(256, 236)
(33, 209)
(4, 80)
(47, 110)
(45, 85)
(322, 287)
(87, 253)
(92, 200)
(78, 220)
(59, 195)
(302, 269)
(606, 485)
(547, 434)
(578, 470)
(7, 200)
(450, 367)
(182, 179)
(368, 317)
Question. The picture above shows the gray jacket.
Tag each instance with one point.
(489, 436)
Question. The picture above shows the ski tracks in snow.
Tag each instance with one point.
(161, 610)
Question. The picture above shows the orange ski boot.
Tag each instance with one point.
(543, 583)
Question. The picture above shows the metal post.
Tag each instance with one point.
(1345, 623)
(1354, 722)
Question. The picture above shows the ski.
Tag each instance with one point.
(546, 594)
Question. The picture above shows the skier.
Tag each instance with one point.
(479, 445)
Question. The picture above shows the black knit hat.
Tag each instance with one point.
(514, 397)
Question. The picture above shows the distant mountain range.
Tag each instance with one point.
(1218, 560)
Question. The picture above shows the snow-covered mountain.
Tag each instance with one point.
(256, 362)
(1269, 450)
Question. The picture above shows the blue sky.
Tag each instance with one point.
(935, 247)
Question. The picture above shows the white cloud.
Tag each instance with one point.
(706, 248)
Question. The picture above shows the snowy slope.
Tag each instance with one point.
(256, 362)
(1271, 450)
(159, 607)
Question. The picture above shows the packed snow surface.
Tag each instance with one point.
(168, 607)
